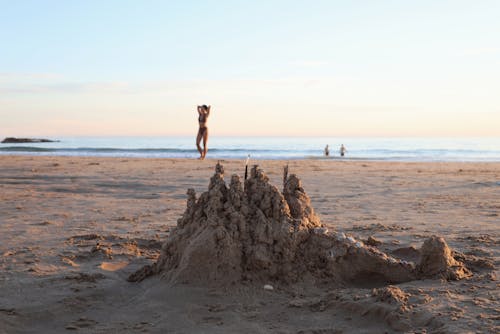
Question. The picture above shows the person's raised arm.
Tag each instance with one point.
(208, 110)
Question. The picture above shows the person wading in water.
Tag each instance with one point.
(203, 113)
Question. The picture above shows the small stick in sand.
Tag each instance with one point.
(246, 167)
(285, 174)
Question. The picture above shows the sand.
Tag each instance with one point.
(73, 229)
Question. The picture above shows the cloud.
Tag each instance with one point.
(65, 88)
(53, 85)
(22, 77)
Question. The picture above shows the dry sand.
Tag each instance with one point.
(73, 229)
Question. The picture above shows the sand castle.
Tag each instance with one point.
(252, 232)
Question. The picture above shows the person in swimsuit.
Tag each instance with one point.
(203, 113)
(342, 150)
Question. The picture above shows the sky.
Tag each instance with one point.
(268, 68)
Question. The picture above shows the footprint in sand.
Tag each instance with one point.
(81, 323)
(8, 311)
(85, 278)
(213, 320)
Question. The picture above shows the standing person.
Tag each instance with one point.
(203, 113)
(327, 151)
(342, 150)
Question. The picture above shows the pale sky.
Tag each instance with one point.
(325, 68)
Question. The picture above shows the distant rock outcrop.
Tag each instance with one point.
(253, 232)
(13, 140)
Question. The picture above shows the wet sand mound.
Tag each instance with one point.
(253, 232)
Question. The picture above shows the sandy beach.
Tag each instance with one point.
(73, 229)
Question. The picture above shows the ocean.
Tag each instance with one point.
(288, 148)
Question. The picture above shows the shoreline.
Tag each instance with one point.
(73, 229)
(307, 158)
